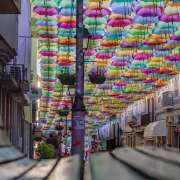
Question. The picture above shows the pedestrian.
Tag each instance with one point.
(59, 150)
(53, 141)
(94, 144)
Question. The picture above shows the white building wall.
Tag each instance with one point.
(140, 107)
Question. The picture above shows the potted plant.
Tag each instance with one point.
(46, 151)
(64, 111)
(97, 78)
(67, 78)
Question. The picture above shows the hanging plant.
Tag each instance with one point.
(97, 78)
(67, 78)
(97, 75)
(64, 111)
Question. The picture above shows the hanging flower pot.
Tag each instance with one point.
(64, 111)
(97, 78)
(67, 78)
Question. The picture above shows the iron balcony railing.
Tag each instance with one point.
(19, 73)
(170, 98)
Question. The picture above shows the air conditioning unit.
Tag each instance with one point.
(15, 72)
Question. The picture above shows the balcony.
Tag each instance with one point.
(14, 79)
(19, 73)
(8, 82)
(170, 100)
(176, 102)
(132, 120)
(10, 7)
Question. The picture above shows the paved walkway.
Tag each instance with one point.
(87, 171)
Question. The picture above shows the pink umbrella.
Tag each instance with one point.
(97, 12)
(96, 36)
(109, 44)
(154, 43)
(50, 36)
(173, 58)
(120, 83)
(165, 71)
(65, 63)
(89, 52)
(170, 18)
(151, 70)
(141, 56)
(100, 55)
(45, 11)
(55, 104)
(119, 22)
(48, 53)
(122, 97)
(66, 25)
(149, 81)
(176, 38)
(120, 63)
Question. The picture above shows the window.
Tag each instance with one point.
(176, 93)
(159, 99)
(1, 121)
(1, 68)
(3, 106)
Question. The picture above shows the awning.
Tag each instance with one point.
(155, 129)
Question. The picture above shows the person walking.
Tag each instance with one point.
(53, 141)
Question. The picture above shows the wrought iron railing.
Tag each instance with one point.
(19, 73)
(170, 98)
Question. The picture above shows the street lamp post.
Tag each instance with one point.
(78, 108)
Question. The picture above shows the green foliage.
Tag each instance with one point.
(46, 151)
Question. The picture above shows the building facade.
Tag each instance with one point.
(155, 119)
(15, 116)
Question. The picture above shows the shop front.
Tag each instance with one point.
(155, 134)
(111, 136)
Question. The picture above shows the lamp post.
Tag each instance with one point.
(78, 108)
